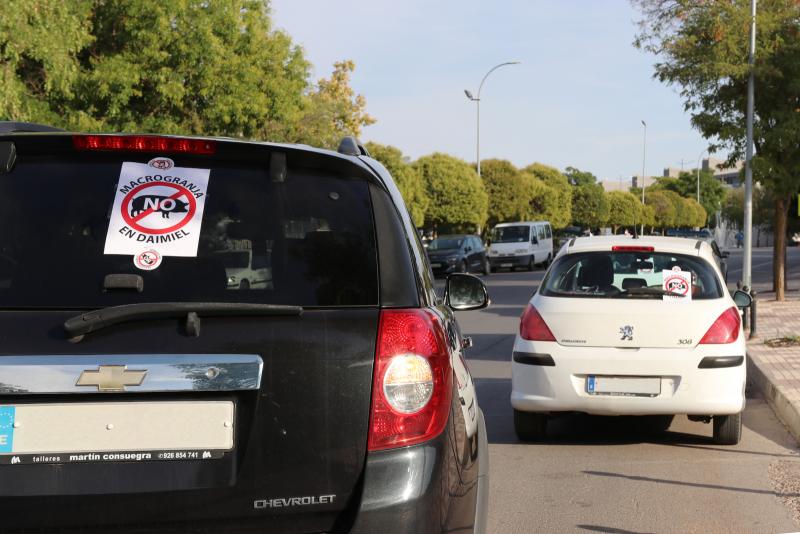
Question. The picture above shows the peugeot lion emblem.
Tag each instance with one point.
(627, 332)
(111, 378)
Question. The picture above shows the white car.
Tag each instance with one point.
(631, 326)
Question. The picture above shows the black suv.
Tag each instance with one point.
(458, 254)
(144, 388)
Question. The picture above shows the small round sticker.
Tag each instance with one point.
(147, 260)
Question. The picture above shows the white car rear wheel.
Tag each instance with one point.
(727, 429)
(530, 426)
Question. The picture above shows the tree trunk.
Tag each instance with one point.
(779, 248)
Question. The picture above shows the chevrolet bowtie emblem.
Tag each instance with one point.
(111, 378)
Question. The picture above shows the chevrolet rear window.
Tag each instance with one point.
(307, 240)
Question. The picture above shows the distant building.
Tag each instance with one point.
(729, 175)
(672, 172)
(616, 185)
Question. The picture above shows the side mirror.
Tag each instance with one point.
(742, 299)
(465, 292)
(725, 254)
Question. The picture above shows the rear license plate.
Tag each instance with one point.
(505, 265)
(634, 386)
(115, 431)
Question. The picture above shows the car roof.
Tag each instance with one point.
(518, 223)
(678, 245)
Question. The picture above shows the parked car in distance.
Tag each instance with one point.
(457, 254)
(623, 326)
(140, 393)
(523, 244)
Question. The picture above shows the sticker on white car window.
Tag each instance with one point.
(157, 207)
(678, 282)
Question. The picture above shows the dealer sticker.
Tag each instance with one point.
(147, 260)
(158, 208)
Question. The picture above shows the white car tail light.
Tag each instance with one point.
(412, 382)
(724, 330)
(532, 327)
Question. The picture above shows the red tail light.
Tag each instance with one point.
(413, 380)
(627, 248)
(724, 330)
(532, 327)
(144, 143)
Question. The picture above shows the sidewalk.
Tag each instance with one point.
(776, 371)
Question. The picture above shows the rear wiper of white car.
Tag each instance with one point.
(654, 291)
(80, 325)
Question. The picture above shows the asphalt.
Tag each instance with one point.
(612, 474)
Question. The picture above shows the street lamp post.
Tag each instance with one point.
(699, 163)
(477, 100)
(644, 156)
(748, 169)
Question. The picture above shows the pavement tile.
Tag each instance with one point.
(777, 370)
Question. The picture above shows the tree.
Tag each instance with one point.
(623, 209)
(508, 194)
(696, 213)
(683, 216)
(330, 112)
(702, 48)
(204, 68)
(579, 178)
(664, 211)
(408, 180)
(457, 197)
(589, 206)
(712, 192)
(560, 215)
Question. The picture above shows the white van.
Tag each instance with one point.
(521, 244)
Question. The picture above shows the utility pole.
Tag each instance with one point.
(644, 156)
(747, 260)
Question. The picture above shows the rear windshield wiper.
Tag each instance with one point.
(80, 325)
(654, 291)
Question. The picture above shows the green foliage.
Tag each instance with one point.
(589, 206)
(683, 215)
(697, 215)
(206, 68)
(712, 192)
(579, 178)
(507, 190)
(702, 47)
(456, 193)
(624, 209)
(559, 212)
(408, 180)
(733, 207)
(664, 211)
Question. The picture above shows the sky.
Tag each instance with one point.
(577, 99)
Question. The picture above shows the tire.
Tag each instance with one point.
(244, 284)
(530, 426)
(727, 429)
(463, 268)
(659, 423)
(487, 267)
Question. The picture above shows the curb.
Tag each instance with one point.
(787, 411)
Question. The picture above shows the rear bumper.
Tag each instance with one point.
(685, 388)
(501, 262)
(417, 489)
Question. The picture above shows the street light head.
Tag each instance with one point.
(469, 95)
(644, 124)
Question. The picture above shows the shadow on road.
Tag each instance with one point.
(610, 530)
(638, 478)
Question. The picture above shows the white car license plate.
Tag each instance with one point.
(623, 385)
(115, 431)
(435, 265)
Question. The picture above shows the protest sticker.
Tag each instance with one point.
(678, 282)
(157, 208)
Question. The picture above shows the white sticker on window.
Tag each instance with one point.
(158, 207)
(679, 282)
